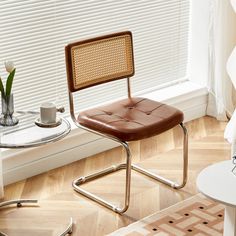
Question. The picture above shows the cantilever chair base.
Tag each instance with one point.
(128, 166)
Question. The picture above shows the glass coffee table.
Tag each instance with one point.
(30, 133)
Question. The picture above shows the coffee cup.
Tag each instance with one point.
(48, 112)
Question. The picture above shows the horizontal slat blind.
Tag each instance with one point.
(34, 34)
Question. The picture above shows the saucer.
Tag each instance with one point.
(47, 125)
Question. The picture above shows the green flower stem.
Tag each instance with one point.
(9, 82)
(2, 88)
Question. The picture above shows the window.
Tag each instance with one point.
(34, 33)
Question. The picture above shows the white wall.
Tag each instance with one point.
(198, 67)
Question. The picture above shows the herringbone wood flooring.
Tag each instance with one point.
(57, 200)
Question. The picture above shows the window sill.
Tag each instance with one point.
(22, 163)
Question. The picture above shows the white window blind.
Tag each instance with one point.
(34, 34)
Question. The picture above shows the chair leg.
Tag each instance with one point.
(185, 166)
(76, 183)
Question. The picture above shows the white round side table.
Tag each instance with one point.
(218, 182)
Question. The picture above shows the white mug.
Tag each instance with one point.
(48, 112)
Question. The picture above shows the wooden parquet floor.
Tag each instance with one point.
(58, 202)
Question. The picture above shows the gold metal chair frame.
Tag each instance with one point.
(127, 165)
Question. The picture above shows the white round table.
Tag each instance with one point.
(218, 182)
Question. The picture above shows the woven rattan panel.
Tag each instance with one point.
(101, 60)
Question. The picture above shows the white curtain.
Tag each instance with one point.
(230, 131)
(222, 39)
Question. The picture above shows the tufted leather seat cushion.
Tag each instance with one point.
(131, 119)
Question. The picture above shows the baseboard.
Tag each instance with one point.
(21, 164)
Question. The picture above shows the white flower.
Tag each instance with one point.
(9, 65)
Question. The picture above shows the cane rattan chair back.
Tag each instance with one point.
(103, 59)
(99, 60)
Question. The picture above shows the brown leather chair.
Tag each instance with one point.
(101, 60)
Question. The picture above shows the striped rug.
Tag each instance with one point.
(197, 216)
